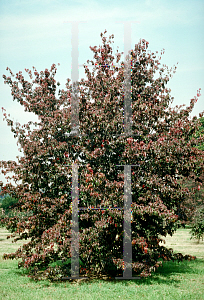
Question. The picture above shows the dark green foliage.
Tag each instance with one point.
(200, 132)
(197, 230)
(8, 203)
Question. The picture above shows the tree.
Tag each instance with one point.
(194, 184)
(200, 132)
(196, 206)
(197, 230)
(161, 149)
(8, 203)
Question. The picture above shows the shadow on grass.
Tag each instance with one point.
(163, 275)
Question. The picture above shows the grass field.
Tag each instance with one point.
(178, 281)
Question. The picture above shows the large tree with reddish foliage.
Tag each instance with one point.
(161, 146)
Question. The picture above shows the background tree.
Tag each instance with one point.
(161, 146)
(194, 184)
(197, 230)
(200, 132)
(8, 203)
(195, 204)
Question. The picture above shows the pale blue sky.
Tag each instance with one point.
(37, 33)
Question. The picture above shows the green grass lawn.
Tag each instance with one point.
(184, 280)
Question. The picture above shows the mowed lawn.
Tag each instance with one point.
(184, 280)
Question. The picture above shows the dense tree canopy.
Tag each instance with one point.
(161, 148)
